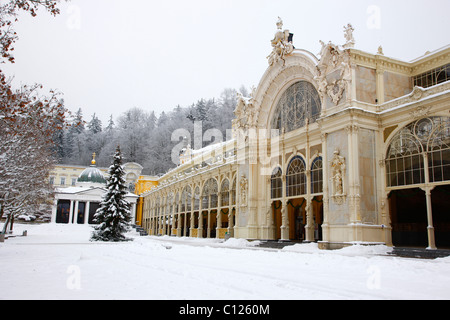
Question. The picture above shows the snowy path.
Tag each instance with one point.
(58, 262)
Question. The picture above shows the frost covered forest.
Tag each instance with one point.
(144, 137)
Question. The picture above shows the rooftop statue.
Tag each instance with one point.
(282, 46)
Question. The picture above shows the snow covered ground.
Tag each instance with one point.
(59, 262)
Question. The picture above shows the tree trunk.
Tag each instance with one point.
(8, 219)
(12, 224)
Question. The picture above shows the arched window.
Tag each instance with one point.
(186, 199)
(405, 164)
(158, 206)
(170, 202)
(296, 177)
(297, 104)
(214, 193)
(225, 193)
(276, 184)
(197, 199)
(177, 200)
(210, 194)
(439, 150)
(317, 176)
(233, 193)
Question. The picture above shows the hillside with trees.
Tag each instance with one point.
(143, 136)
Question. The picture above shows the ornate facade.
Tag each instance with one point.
(347, 147)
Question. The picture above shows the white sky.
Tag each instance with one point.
(108, 56)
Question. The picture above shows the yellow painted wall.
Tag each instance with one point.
(143, 185)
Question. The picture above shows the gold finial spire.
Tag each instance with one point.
(93, 162)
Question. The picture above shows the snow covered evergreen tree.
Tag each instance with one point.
(114, 215)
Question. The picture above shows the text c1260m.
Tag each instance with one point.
(246, 309)
(229, 309)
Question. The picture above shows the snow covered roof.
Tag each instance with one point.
(93, 175)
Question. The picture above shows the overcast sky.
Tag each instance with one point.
(108, 56)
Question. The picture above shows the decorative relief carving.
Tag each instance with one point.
(246, 113)
(282, 45)
(332, 58)
(244, 190)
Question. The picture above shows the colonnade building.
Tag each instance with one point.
(343, 148)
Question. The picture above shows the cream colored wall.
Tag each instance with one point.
(358, 127)
(68, 172)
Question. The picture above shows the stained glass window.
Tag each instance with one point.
(298, 103)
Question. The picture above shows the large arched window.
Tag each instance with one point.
(296, 177)
(405, 163)
(276, 184)
(298, 103)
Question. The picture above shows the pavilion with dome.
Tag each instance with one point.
(78, 204)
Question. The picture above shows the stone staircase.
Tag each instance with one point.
(141, 230)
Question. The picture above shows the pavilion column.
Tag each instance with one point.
(174, 207)
(54, 210)
(185, 222)
(86, 212)
(219, 214)
(284, 220)
(430, 228)
(428, 189)
(326, 190)
(230, 222)
(71, 212)
(208, 229)
(179, 220)
(200, 221)
(310, 224)
(192, 226)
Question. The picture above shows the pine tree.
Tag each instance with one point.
(114, 215)
(95, 125)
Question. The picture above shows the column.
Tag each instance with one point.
(310, 224)
(428, 189)
(54, 210)
(86, 212)
(178, 220)
(230, 220)
(192, 225)
(208, 229)
(71, 212)
(219, 214)
(326, 192)
(200, 220)
(284, 220)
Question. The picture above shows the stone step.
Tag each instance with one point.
(276, 244)
(420, 253)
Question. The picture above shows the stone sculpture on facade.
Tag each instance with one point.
(338, 169)
(246, 113)
(244, 190)
(334, 68)
(281, 44)
(348, 32)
